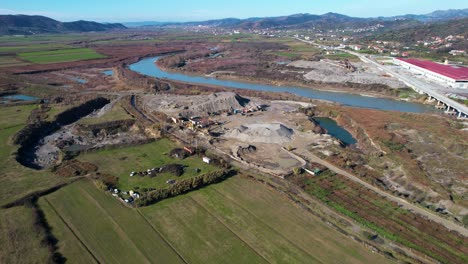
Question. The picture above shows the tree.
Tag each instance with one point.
(297, 171)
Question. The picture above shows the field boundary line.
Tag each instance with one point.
(71, 230)
(267, 225)
(120, 229)
(163, 238)
(230, 230)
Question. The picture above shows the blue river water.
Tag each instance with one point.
(17, 97)
(335, 130)
(148, 67)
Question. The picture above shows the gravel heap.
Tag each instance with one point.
(275, 133)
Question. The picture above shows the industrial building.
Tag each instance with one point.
(447, 75)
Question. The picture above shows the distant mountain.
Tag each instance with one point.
(144, 23)
(439, 15)
(426, 31)
(325, 21)
(28, 25)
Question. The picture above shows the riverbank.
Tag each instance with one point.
(150, 68)
(350, 88)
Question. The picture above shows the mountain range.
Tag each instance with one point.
(439, 15)
(30, 25)
(326, 21)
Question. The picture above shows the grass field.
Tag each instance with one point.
(120, 162)
(342, 56)
(19, 240)
(10, 61)
(116, 113)
(33, 47)
(89, 218)
(62, 55)
(237, 220)
(19, 180)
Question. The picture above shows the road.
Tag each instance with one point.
(403, 203)
(414, 83)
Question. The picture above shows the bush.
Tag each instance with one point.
(183, 186)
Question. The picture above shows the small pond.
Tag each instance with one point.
(335, 130)
(108, 72)
(79, 80)
(17, 97)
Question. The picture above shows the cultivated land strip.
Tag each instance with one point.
(230, 230)
(71, 231)
(119, 229)
(198, 234)
(402, 202)
(162, 237)
(113, 232)
(266, 224)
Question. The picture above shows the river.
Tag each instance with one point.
(148, 67)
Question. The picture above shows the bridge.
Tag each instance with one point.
(451, 107)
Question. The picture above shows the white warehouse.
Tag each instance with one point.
(452, 76)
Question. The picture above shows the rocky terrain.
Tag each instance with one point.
(333, 72)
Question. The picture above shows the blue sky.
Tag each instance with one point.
(193, 10)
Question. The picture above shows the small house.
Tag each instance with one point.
(206, 160)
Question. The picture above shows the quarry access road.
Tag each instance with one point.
(401, 202)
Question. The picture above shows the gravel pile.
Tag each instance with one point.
(330, 73)
(263, 133)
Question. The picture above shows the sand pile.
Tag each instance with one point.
(219, 102)
(263, 133)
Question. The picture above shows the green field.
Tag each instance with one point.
(19, 180)
(120, 162)
(10, 61)
(116, 113)
(62, 55)
(20, 242)
(238, 220)
(33, 47)
(92, 225)
(342, 56)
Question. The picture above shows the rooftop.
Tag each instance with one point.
(457, 73)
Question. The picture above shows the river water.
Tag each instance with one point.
(148, 67)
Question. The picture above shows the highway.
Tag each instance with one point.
(418, 85)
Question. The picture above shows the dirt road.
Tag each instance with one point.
(403, 203)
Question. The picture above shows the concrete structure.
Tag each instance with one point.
(421, 87)
(455, 77)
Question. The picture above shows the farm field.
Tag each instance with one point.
(83, 217)
(217, 224)
(20, 241)
(120, 162)
(32, 47)
(62, 55)
(10, 61)
(242, 211)
(386, 218)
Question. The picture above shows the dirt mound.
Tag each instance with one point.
(246, 150)
(218, 102)
(263, 133)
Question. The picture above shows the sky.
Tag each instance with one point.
(197, 10)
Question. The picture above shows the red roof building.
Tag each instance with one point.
(456, 77)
